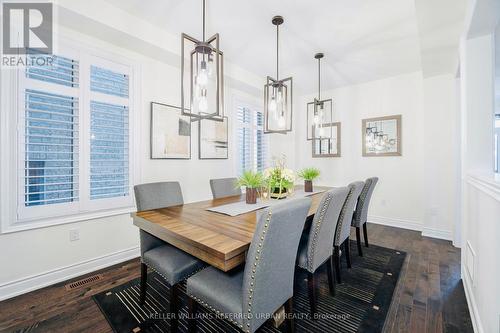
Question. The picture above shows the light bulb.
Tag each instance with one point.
(202, 77)
(272, 104)
(203, 104)
(279, 96)
(316, 119)
(281, 121)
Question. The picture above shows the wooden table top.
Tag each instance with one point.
(218, 239)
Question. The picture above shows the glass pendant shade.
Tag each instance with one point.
(278, 105)
(320, 113)
(320, 119)
(202, 77)
(278, 95)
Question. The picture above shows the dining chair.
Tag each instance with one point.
(172, 264)
(361, 213)
(343, 228)
(249, 295)
(224, 187)
(315, 247)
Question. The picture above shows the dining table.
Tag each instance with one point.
(218, 239)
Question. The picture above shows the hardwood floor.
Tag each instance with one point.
(429, 297)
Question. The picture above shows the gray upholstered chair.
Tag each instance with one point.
(315, 248)
(361, 213)
(265, 283)
(343, 228)
(171, 263)
(224, 187)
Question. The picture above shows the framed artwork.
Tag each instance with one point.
(213, 139)
(328, 147)
(381, 136)
(170, 132)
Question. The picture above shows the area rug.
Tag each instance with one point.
(361, 302)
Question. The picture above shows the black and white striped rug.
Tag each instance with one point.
(361, 302)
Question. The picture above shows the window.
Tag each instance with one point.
(252, 143)
(74, 137)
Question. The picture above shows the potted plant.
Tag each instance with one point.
(252, 181)
(309, 174)
(279, 179)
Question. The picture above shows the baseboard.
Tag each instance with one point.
(24, 285)
(436, 233)
(471, 303)
(411, 225)
(398, 223)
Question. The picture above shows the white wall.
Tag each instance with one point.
(429, 162)
(481, 196)
(441, 157)
(398, 195)
(40, 257)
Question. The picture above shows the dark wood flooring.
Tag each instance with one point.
(429, 297)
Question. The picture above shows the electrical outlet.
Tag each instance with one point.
(74, 235)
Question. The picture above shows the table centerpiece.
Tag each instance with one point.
(279, 180)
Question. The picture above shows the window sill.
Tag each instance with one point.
(55, 221)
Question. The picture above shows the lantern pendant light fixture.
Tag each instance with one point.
(319, 112)
(278, 96)
(202, 77)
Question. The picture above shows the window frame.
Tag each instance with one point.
(253, 127)
(14, 215)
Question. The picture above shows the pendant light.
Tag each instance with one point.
(278, 96)
(319, 112)
(202, 78)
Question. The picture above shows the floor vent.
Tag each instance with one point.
(83, 282)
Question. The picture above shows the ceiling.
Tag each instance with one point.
(362, 40)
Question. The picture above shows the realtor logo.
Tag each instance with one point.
(27, 28)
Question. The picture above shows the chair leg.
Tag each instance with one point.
(312, 293)
(347, 247)
(365, 233)
(331, 278)
(192, 312)
(336, 257)
(358, 240)
(290, 324)
(174, 307)
(144, 282)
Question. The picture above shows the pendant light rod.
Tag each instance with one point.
(277, 51)
(203, 20)
(277, 21)
(319, 56)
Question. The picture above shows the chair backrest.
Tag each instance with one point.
(270, 262)
(361, 213)
(343, 229)
(158, 195)
(322, 232)
(224, 187)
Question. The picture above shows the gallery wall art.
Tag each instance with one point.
(213, 139)
(170, 132)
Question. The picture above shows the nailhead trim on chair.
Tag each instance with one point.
(211, 308)
(362, 197)
(341, 217)
(315, 236)
(252, 277)
(250, 290)
(168, 280)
